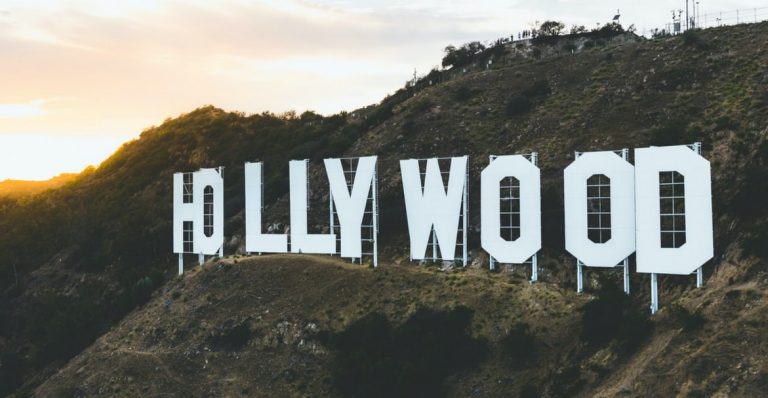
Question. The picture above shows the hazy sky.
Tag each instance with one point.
(78, 78)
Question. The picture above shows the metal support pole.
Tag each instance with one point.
(535, 258)
(464, 217)
(262, 197)
(491, 260)
(654, 294)
(700, 277)
(626, 275)
(181, 263)
(221, 249)
(330, 215)
(700, 270)
(579, 277)
(201, 258)
(434, 245)
(375, 208)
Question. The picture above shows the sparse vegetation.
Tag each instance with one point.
(462, 93)
(672, 132)
(689, 321)
(614, 316)
(98, 248)
(375, 359)
(519, 346)
(518, 104)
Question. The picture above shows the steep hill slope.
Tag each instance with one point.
(17, 188)
(260, 328)
(316, 326)
(74, 261)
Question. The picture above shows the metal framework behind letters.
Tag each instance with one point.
(624, 153)
(696, 147)
(370, 225)
(510, 192)
(432, 246)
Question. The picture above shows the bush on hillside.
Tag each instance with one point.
(614, 317)
(691, 38)
(539, 88)
(518, 104)
(671, 132)
(687, 320)
(462, 93)
(518, 347)
(373, 358)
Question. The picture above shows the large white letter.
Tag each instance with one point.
(183, 210)
(677, 180)
(198, 200)
(611, 215)
(255, 240)
(350, 206)
(301, 241)
(529, 242)
(209, 213)
(431, 205)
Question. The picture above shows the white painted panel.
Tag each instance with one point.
(201, 179)
(698, 249)
(622, 192)
(255, 240)
(301, 241)
(529, 242)
(350, 206)
(431, 205)
(181, 212)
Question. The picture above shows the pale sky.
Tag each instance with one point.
(78, 78)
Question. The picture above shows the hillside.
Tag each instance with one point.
(250, 337)
(288, 325)
(20, 188)
(83, 260)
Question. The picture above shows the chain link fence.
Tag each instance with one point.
(710, 20)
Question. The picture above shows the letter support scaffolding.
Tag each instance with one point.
(509, 189)
(696, 147)
(624, 153)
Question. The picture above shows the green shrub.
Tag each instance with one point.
(672, 132)
(539, 88)
(11, 373)
(373, 358)
(754, 243)
(689, 321)
(691, 38)
(422, 105)
(232, 338)
(142, 290)
(752, 196)
(462, 94)
(614, 317)
(518, 104)
(519, 346)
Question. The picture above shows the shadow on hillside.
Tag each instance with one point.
(374, 358)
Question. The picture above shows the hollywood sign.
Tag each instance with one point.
(659, 208)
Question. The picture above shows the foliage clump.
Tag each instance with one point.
(374, 358)
(519, 346)
(613, 317)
